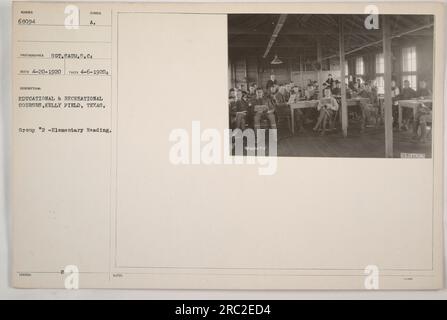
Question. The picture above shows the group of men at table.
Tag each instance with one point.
(423, 114)
(249, 108)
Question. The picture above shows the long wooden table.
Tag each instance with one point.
(314, 103)
(356, 101)
(413, 104)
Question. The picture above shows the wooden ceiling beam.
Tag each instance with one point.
(311, 32)
(380, 42)
(278, 27)
(244, 44)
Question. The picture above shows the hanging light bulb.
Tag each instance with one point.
(276, 60)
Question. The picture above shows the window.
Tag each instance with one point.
(359, 67)
(346, 72)
(380, 70)
(409, 66)
(380, 64)
(409, 59)
(380, 83)
(413, 80)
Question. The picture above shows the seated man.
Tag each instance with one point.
(327, 107)
(351, 84)
(358, 81)
(355, 89)
(369, 109)
(263, 107)
(232, 94)
(407, 93)
(423, 115)
(336, 90)
(251, 91)
(295, 95)
(395, 93)
(309, 83)
(329, 82)
(280, 96)
(298, 116)
(238, 111)
(423, 92)
(287, 91)
(311, 92)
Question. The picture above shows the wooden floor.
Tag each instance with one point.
(370, 144)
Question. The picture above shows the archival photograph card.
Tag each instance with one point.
(227, 146)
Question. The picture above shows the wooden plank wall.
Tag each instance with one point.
(252, 69)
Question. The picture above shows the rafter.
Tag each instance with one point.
(278, 27)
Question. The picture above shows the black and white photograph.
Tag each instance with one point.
(351, 85)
